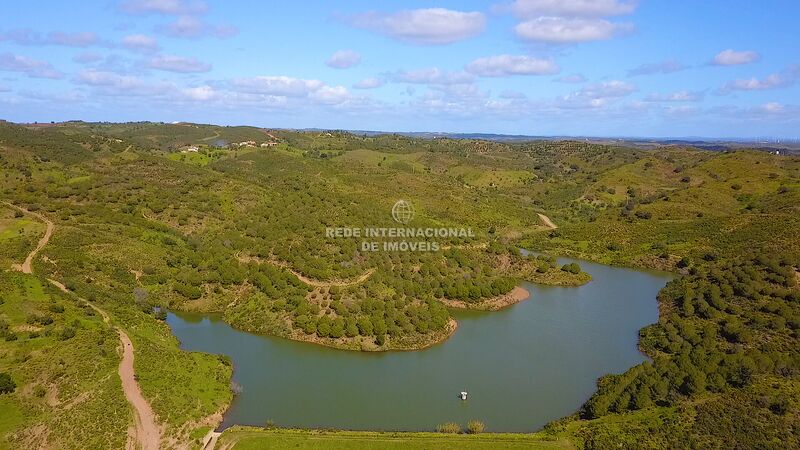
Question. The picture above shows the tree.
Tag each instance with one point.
(7, 385)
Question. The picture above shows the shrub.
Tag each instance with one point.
(7, 385)
(449, 428)
(475, 427)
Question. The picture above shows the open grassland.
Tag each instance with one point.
(243, 438)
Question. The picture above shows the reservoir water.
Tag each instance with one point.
(523, 366)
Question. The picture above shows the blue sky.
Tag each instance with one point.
(723, 68)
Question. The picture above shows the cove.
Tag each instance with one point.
(523, 366)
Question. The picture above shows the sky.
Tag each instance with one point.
(619, 68)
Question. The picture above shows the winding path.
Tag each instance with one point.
(27, 265)
(309, 281)
(547, 222)
(147, 432)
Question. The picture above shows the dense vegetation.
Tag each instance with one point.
(143, 225)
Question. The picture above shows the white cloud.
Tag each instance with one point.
(114, 84)
(31, 67)
(506, 65)
(571, 8)
(433, 26)
(369, 83)
(282, 88)
(330, 95)
(87, 57)
(199, 93)
(574, 78)
(680, 96)
(178, 64)
(192, 28)
(597, 95)
(731, 57)
(79, 39)
(560, 30)
(140, 43)
(30, 37)
(344, 59)
(773, 107)
(663, 67)
(277, 85)
(754, 84)
(432, 76)
(167, 7)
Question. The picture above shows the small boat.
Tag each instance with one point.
(463, 395)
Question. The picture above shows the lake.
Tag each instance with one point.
(523, 366)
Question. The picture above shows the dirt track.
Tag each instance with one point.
(27, 265)
(547, 222)
(309, 281)
(147, 432)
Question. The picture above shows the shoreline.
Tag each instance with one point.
(516, 295)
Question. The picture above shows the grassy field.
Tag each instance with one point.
(254, 439)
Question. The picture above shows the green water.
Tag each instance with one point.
(523, 367)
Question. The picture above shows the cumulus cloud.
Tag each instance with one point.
(754, 84)
(680, 96)
(432, 26)
(597, 95)
(571, 8)
(68, 39)
(277, 85)
(200, 93)
(561, 30)
(87, 58)
(113, 84)
(663, 67)
(283, 88)
(80, 39)
(140, 43)
(432, 76)
(178, 64)
(574, 78)
(568, 21)
(369, 83)
(344, 59)
(507, 65)
(31, 67)
(731, 57)
(191, 27)
(167, 7)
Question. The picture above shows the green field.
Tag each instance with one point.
(252, 439)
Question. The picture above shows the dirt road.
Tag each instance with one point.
(547, 222)
(309, 281)
(27, 265)
(148, 434)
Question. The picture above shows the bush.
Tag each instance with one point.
(449, 428)
(7, 385)
(475, 427)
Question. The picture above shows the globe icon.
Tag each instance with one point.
(402, 212)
